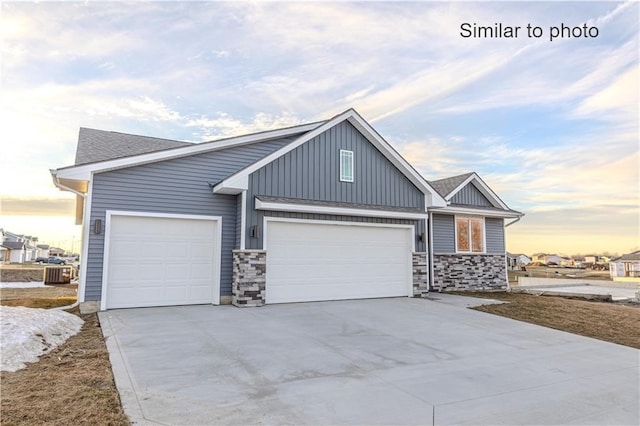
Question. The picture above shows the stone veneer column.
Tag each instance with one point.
(420, 274)
(248, 286)
(469, 272)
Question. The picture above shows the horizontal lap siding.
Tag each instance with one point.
(443, 234)
(494, 231)
(178, 186)
(311, 172)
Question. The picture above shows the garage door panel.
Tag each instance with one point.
(156, 261)
(309, 261)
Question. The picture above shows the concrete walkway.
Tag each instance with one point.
(380, 361)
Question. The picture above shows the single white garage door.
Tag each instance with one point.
(317, 261)
(161, 261)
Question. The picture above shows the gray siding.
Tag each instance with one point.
(179, 186)
(444, 234)
(471, 196)
(494, 233)
(419, 224)
(311, 172)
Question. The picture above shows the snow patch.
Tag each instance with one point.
(28, 333)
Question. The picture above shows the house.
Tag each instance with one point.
(43, 250)
(625, 266)
(14, 247)
(319, 211)
(522, 259)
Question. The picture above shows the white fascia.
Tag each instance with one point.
(83, 172)
(342, 211)
(480, 212)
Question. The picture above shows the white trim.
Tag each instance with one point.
(430, 251)
(478, 212)
(410, 228)
(484, 189)
(243, 220)
(84, 171)
(348, 155)
(267, 219)
(484, 234)
(344, 211)
(239, 181)
(86, 232)
(107, 236)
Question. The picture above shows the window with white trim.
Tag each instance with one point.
(346, 166)
(469, 234)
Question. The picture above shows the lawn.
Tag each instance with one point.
(74, 384)
(612, 322)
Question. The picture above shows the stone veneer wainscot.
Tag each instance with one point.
(249, 274)
(469, 272)
(420, 274)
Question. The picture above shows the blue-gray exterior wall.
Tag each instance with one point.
(444, 234)
(177, 186)
(471, 196)
(311, 172)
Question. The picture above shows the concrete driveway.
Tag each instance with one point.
(381, 361)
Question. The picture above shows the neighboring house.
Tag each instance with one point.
(15, 252)
(43, 250)
(319, 211)
(627, 265)
(517, 261)
(590, 259)
(55, 251)
(523, 259)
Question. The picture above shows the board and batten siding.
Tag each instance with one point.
(312, 172)
(471, 196)
(176, 186)
(444, 234)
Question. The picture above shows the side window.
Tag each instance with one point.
(469, 234)
(346, 166)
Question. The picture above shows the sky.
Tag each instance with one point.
(551, 124)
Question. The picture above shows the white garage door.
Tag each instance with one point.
(316, 261)
(161, 261)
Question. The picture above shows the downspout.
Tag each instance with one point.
(517, 219)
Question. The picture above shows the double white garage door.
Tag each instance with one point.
(163, 261)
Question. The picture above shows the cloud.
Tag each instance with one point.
(224, 125)
(14, 206)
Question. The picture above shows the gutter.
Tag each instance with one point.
(58, 185)
(517, 219)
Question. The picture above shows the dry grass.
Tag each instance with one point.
(48, 292)
(47, 303)
(73, 384)
(611, 322)
(25, 275)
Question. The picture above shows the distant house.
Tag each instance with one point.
(590, 258)
(517, 261)
(43, 250)
(626, 266)
(17, 248)
(55, 251)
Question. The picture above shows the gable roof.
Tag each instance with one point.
(84, 171)
(629, 257)
(13, 245)
(239, 181)
(100, 145)
(447, 185)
